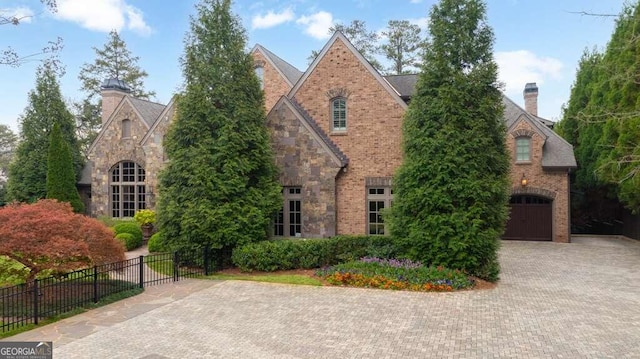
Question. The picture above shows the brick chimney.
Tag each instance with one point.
(113, 91)
(531, 98)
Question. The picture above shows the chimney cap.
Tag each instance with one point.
(115, 84)
(531, 87)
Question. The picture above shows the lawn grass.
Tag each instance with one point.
(297, 279)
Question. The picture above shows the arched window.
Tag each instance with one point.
(126, 128)
(260, 74)
(128, 193)
(523, 149)
(339, 114)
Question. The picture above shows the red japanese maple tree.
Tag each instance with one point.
(49, 235)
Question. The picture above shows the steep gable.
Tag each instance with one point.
(278, 76)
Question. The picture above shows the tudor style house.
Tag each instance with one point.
(336, 135)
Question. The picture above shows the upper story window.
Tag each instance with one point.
(523, 149)
(126, 128)
(260, 74)
(339, 114)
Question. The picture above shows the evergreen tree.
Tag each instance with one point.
(114, 60)
(219, 187)
(402, 46)
(28, 171)
(61, 179)
(451, 192)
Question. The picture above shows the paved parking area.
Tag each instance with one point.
(579, 300)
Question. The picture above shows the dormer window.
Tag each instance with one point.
(523, 149)
(339, 114)
(260, 74)
(126, 128)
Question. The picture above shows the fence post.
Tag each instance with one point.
(207, 260)
(95, 284)
(35, 301)
(141, 271)
(175, 266)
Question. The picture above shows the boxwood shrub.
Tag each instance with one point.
(284, 254)
(129, 240)
(154, 244)
(129, 227)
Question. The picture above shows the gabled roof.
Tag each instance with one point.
(164, 113)
(286, 70)
(556, 153)
(405, 85)
(338, 36)
(147, 109)
(338, 156)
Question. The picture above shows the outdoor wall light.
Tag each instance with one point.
(524, 181)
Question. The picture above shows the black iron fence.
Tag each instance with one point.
(29, 303)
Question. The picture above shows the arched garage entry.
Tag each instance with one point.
(530, 218)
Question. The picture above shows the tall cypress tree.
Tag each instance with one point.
(219, 187)
(28, 171)
(61, 179)
(451, 192)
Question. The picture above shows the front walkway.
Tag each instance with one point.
(579, 300)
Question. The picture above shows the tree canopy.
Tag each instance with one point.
(28, 171)
(61, 179)
(451, 191)
(47, 235)
(602, 117)
(402, 45)
(219, 187)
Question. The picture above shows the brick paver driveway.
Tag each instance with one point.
(579, 300)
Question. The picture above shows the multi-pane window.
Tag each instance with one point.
(378, 198)
(128, 191)
(339, 114)
(288, 222)
(523, 149)
(126, 128)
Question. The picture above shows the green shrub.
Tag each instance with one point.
(145, 216)
(287, 254)
(154, 244)
(129, 227)
(129, 240)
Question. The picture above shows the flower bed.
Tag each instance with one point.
(397, 274)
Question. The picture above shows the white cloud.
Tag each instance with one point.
(423, 22)
(271, 19)
(317, 25)
(520, 67)
(23, 14)
(103, 15)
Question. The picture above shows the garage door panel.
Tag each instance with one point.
(529, 219)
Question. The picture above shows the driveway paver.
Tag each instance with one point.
(579, 300)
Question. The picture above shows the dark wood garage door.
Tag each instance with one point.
(529, 219)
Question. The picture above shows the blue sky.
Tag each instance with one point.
(536, 40)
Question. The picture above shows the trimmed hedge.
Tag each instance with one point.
(284, 254)
(129, 240)
(129, 227)
(154, 245)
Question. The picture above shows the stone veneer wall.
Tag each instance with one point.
(155, 155)
(372, 141)
(551, 184)
(304, 162)
(275, 86)
(110, 150)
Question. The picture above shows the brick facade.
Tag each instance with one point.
(551, 184)
(332, 168)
